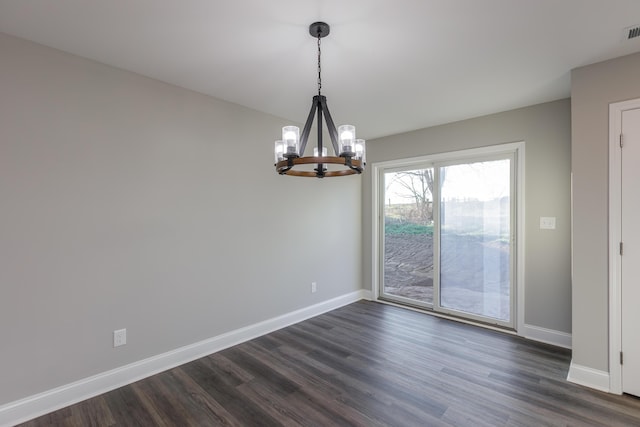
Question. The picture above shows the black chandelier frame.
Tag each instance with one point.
(319, 110)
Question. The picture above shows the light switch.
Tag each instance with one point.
(547, 223)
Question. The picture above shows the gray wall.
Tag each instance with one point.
(593, 88)
(546, 131)
(123, 205)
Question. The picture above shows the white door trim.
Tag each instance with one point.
(615, 236)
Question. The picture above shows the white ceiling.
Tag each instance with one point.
(388, 66)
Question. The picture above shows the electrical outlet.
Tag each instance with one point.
(314, 287)
(119, 337)
(547, 222)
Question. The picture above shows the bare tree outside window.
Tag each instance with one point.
(417, 185)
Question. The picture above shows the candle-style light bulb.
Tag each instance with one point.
(346, 140)
(279, 151)
(291, 141)
(360, 150)
(346, 135)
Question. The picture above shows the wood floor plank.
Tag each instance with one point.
(225, 393)
(92, 413)
(365, 364)
(320, 388)
(201, 407)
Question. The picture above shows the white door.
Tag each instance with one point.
(630, 260)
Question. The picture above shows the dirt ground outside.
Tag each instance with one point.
(475, 272)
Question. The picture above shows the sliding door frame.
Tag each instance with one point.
(381, 236)
(437, 303)
(517, 149)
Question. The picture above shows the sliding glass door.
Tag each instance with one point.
(475, 216)
(408, 236)
(447, 238)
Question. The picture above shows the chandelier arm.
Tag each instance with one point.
(304, 137)
(284, 169)
(348, 162)
(333, 133)
(320, 169)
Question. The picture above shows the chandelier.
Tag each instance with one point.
(349, 152)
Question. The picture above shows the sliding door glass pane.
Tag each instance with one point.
(475, 232)
(408, 235)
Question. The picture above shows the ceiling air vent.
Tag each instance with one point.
(632, 32)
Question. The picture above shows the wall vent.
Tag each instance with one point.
(632, 32)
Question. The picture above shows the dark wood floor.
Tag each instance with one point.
(365, 364)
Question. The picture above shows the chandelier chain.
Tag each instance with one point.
(319, 67)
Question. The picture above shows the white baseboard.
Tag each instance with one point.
(34, 406)
(367, 295)
(589, 377)
(548, 336)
